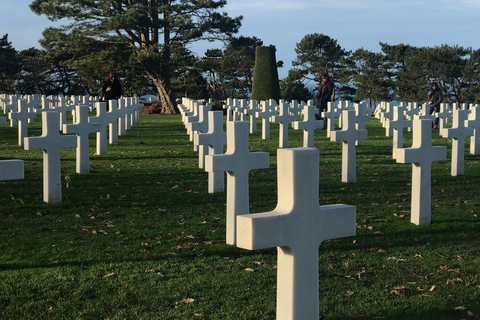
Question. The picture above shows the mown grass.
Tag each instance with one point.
(141, 238)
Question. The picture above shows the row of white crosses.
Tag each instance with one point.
(119, 118)
(296, 227)
(195, 120)
(298, 224)
(465, 124)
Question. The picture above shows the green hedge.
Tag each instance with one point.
(265, 76)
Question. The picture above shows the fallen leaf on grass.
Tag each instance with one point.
(349, 292)
(249, 269)
(398, 290)
(362, 314)
(432, 288)
(396, 259)
(184, 301)
(156, 272)
(461, 308)
(109, 274)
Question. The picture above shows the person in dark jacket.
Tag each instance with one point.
(112, 88)
(324, 95)
(435, 97)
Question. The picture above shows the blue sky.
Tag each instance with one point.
(283, 23)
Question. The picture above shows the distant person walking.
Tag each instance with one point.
(324, 95)
(435, 97)
(112, 88)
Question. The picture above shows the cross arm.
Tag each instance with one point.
(261, 230)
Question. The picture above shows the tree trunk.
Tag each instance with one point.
(161, 79)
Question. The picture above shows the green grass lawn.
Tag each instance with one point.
(141, 238)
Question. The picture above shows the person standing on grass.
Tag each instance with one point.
(435, 97)
(112, 88)
(324, 95)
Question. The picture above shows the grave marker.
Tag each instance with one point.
(51, 142)
(349, 135)
(458, 132)
(283, 118)
(82, 128)
(444, 115)
(251, 110)
(113, 126)
(421, 155)
(329, 117)
(297, 227)
(237, 162)
(12, 169)
(474, 122)
(103, 119)
(308, 125)
(215, 139)
(22, 116)
(398, 124)
(265, 113)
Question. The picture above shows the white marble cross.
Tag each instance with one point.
(63, 107)
(331, 113)
(201, 125)
(421, 155)
(295, 109)
(387, 116)
(349, 135)
(82, 128)
(398, 124)
(297, 227)
(215, 139)
(251, 110)
(308, 125)
(411, 112)
(121, 113)
(458, 132)
(51, 142)
(103, 119)
(265, 114)
(239, 110)
(424, 113)
(237, 162)
(362, 116)
(444, 115)
(474, 122)
(22, 116)
(283, 118)
(113, 126)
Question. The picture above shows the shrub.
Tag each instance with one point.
(151, 109)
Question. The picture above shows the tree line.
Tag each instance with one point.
(147, 43)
